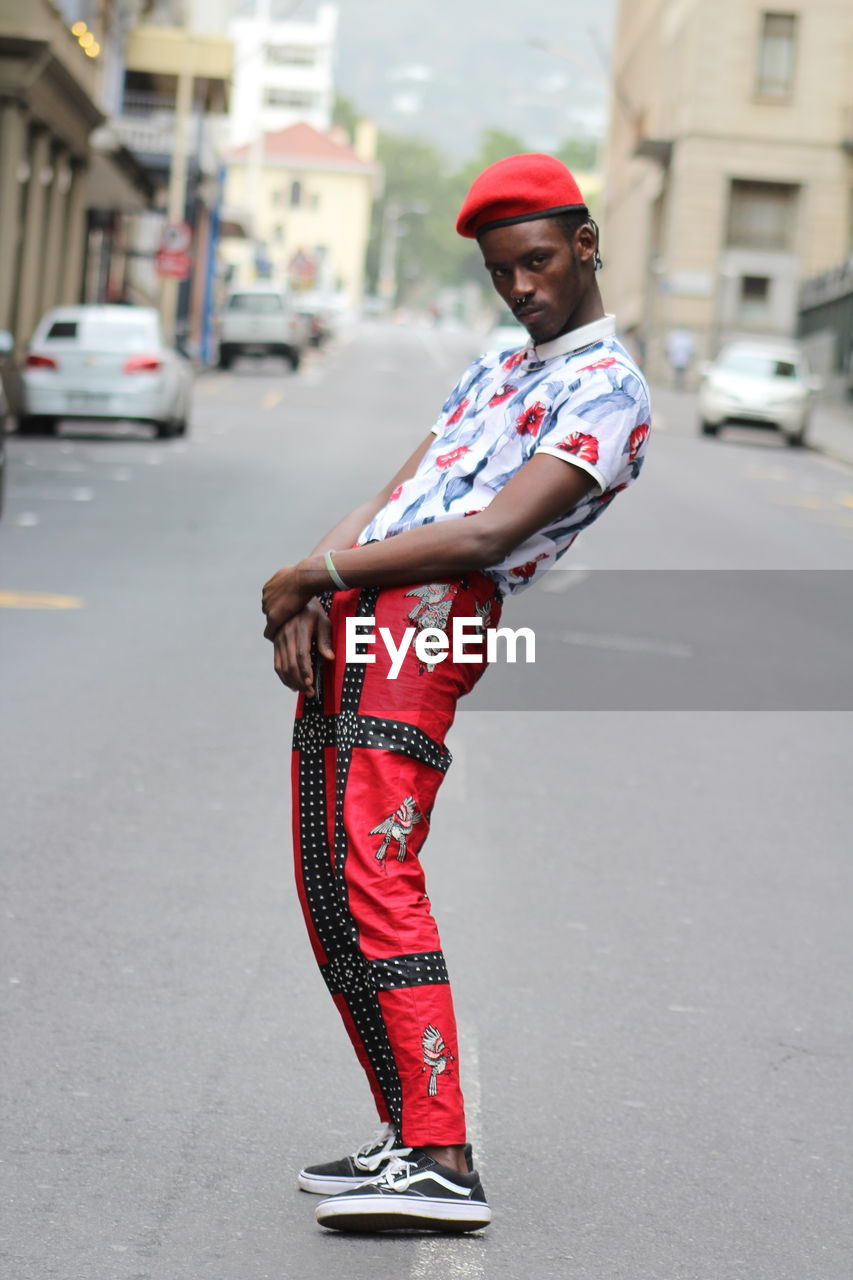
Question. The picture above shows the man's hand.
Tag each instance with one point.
(282, 598)
(294, 643)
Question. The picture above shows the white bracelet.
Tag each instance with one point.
(334, 575)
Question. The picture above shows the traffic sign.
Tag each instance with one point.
(177, 237)
(174, 265)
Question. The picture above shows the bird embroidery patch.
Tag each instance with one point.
(432, 608)
(397, 826)
(436, 1057)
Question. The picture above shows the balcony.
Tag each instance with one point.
(146, 126)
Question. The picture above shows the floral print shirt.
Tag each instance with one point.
(580, 397)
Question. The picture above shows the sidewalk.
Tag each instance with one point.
(830, 429)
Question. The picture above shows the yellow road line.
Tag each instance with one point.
(212, 386)
(271, 399)
(809, 502)
(37, 600)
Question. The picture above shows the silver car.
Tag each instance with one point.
(104, 362)
(758, 384)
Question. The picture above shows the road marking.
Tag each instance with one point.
(808, 501)
(627, 644)
(212, 386)
(767, 473)
(434, 1257)
(560, 580)
(81, 494)
(27, 520)
(37, 600)
(272, 398)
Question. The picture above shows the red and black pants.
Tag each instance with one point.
(368, 759)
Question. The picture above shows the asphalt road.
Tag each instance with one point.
(645, 911)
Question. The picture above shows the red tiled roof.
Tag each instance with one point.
(303, 143)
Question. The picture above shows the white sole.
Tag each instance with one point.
(381, 1213)
(330, 1186)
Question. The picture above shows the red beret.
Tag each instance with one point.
(516, 190)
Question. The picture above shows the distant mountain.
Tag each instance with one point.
(446, 71)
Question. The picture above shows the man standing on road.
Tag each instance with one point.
(530, 447)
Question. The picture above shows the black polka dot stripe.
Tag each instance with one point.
(352, 974)
(348, 974)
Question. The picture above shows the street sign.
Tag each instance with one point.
(177, 237)
(173, 265)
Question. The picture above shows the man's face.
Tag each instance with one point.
(537, 273)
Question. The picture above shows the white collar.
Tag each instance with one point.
(576, 339)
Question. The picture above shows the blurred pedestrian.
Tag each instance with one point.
(531, 447)
(680, 348)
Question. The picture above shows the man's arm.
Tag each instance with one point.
(309, 625)
(545, 488)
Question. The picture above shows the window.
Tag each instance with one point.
(291, 55)
(255, 303)
(762, 215)
(62, 329)
(754, 297)
(753, 364)
(295, 194)
(296, 98)
(776, 55)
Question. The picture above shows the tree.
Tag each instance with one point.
(421, 200)
(345, 114)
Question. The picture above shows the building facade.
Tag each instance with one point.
(283, 69)
(311, 195)
(50, 104)
(88, 124)
(728, 166)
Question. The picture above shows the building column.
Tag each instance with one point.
(12, 147)
(75, 237)
(29, 293)
(57, 207)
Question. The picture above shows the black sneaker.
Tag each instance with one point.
(368, 1161)
(411, 1194)
(352, 1171)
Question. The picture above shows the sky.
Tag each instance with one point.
(450, 70)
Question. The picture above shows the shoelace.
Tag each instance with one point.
(397, 1175)
(368, 1156)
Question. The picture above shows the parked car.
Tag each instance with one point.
(6, 348)
(260, 320)
(104, 362)
(507, 337)
(758, 384)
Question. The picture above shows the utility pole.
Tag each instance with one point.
(177, 200)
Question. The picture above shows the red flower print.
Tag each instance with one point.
(457, 413)
(392, 497)
(513, 361)
(527, 570)
(448, 459)
(583, 446)
(611, 493)
(530, 420)
(475, 511)
(607, 362)
(637, 439)
(504, 394)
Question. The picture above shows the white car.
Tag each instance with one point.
(104, 362)
(261, 320)
(507, 337)
(758, 384)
